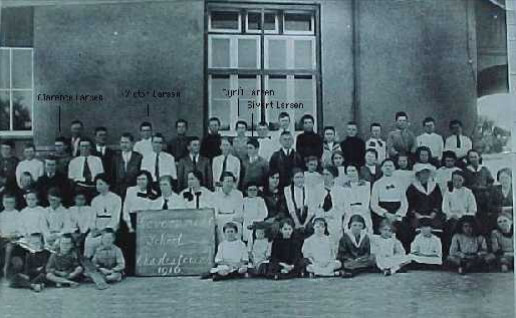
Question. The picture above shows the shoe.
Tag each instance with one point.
(246, 275)
(461, 270)
(311, 275)
(347, 274)
(505, 268)
(387, 272)
(276, 277)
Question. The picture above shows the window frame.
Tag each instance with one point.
(11, 132)
(280, 9)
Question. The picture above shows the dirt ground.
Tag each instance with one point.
(412, 294)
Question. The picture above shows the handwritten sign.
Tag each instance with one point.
(175, 242)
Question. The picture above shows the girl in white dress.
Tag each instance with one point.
(319, 251)
(358, 197)
(389, 252)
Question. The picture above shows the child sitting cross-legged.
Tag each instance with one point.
(468, 250)
(355, 247)
(319, 253)
(286, 258)
(259, 249)
(36, 257)
(502, 242)
(426, 249)
(389, 252)
(108, 258)
(63, 267)
(232, 256)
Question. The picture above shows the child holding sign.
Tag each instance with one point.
(232, 256)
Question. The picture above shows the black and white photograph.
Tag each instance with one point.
(257, 158)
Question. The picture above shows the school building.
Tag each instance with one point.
(117, 63)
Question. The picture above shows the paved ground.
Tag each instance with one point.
(413, 294)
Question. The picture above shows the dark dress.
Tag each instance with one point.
(496, 204)
(309, 144)
(285, 251)
(425, 203)
(34, 269)
(210, 146)
(277, 210)
(355, 257)
(354, 151)
(480, 183)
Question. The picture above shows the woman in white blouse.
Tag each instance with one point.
(389, 201)
(196, 196)
(358, 197)
(108, 207)
(137, 198)
(228, 204)
(297, 198)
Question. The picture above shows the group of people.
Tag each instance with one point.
(286, 203)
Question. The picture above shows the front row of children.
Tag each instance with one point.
(34, 266)
(288, 256)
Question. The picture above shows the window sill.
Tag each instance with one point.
(17, 134)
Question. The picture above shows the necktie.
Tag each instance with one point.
(380, 143)
(327, 204)
(86, 172)
(194, 160)
(197, 195)
(126, 161)
(224, 166)
(165, 204)
(458, 142)
(156, 168)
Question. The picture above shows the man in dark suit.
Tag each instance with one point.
(210, 146)
(285, 159)
(53, 179)
(8, 163)
(194, 161)
(102, 151)
(178, 146)
(125, 165)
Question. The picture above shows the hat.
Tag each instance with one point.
(418, 167)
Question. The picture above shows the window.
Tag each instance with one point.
(16, 91)
(262, 60)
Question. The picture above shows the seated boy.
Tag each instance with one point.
(232, 256)
(36, 257)
(63, 267)
(108, 258)
(10, 229)
(57, 218)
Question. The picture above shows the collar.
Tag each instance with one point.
(431, 186)
(471, 168)
(352, 237)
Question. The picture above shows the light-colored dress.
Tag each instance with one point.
(426, 250)
(389, 253)
(321, 253)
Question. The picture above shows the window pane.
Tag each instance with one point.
(22, 110)
(304, 93)
(224, 20)
(303, 56)
(279, 86)
(298, 22)
(4, 110)
(254, 21)
(220, 54)
(247, 53)
(220, 104)
(277, 54)
(4, 69)
(22, 69)
(248, 84)
(270, 21)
